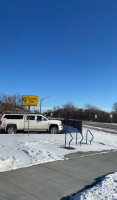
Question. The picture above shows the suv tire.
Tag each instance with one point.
(11, 130)
(53, 130)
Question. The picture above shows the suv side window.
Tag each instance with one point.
(30, 117)
(13, 116)
(40, 118)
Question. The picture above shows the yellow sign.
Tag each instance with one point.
(29, 100)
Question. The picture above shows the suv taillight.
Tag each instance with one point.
(0, 122)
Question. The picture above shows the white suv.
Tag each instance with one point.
(11, 123)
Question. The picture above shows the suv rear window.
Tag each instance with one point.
(13, 116)
(30, 117)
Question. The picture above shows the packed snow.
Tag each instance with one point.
(23, 150)
(105, 189)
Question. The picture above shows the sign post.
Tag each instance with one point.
(28, 100)
(95, 117)
(111, 116)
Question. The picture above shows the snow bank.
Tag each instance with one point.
(106, 189)
(21, 150)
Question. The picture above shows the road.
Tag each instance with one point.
(56, 180)
(98, 125)
(108, 126)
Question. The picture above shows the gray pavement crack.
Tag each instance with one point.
(65, 174)
(21, 188)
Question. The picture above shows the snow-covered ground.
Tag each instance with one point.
(105, 189)
(21, 150)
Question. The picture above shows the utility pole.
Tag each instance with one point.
(41, 102)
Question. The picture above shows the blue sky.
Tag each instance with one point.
(65, 49)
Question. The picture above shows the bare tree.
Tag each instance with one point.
(19, 100)
(11, 103)
(115, 107)
(89, 106)
(14, 100)
(69, 108)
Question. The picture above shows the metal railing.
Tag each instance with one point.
(66, 138)
(88, 131)
(77, 132)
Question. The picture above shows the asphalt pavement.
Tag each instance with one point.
(108, 127)
(56, 180)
